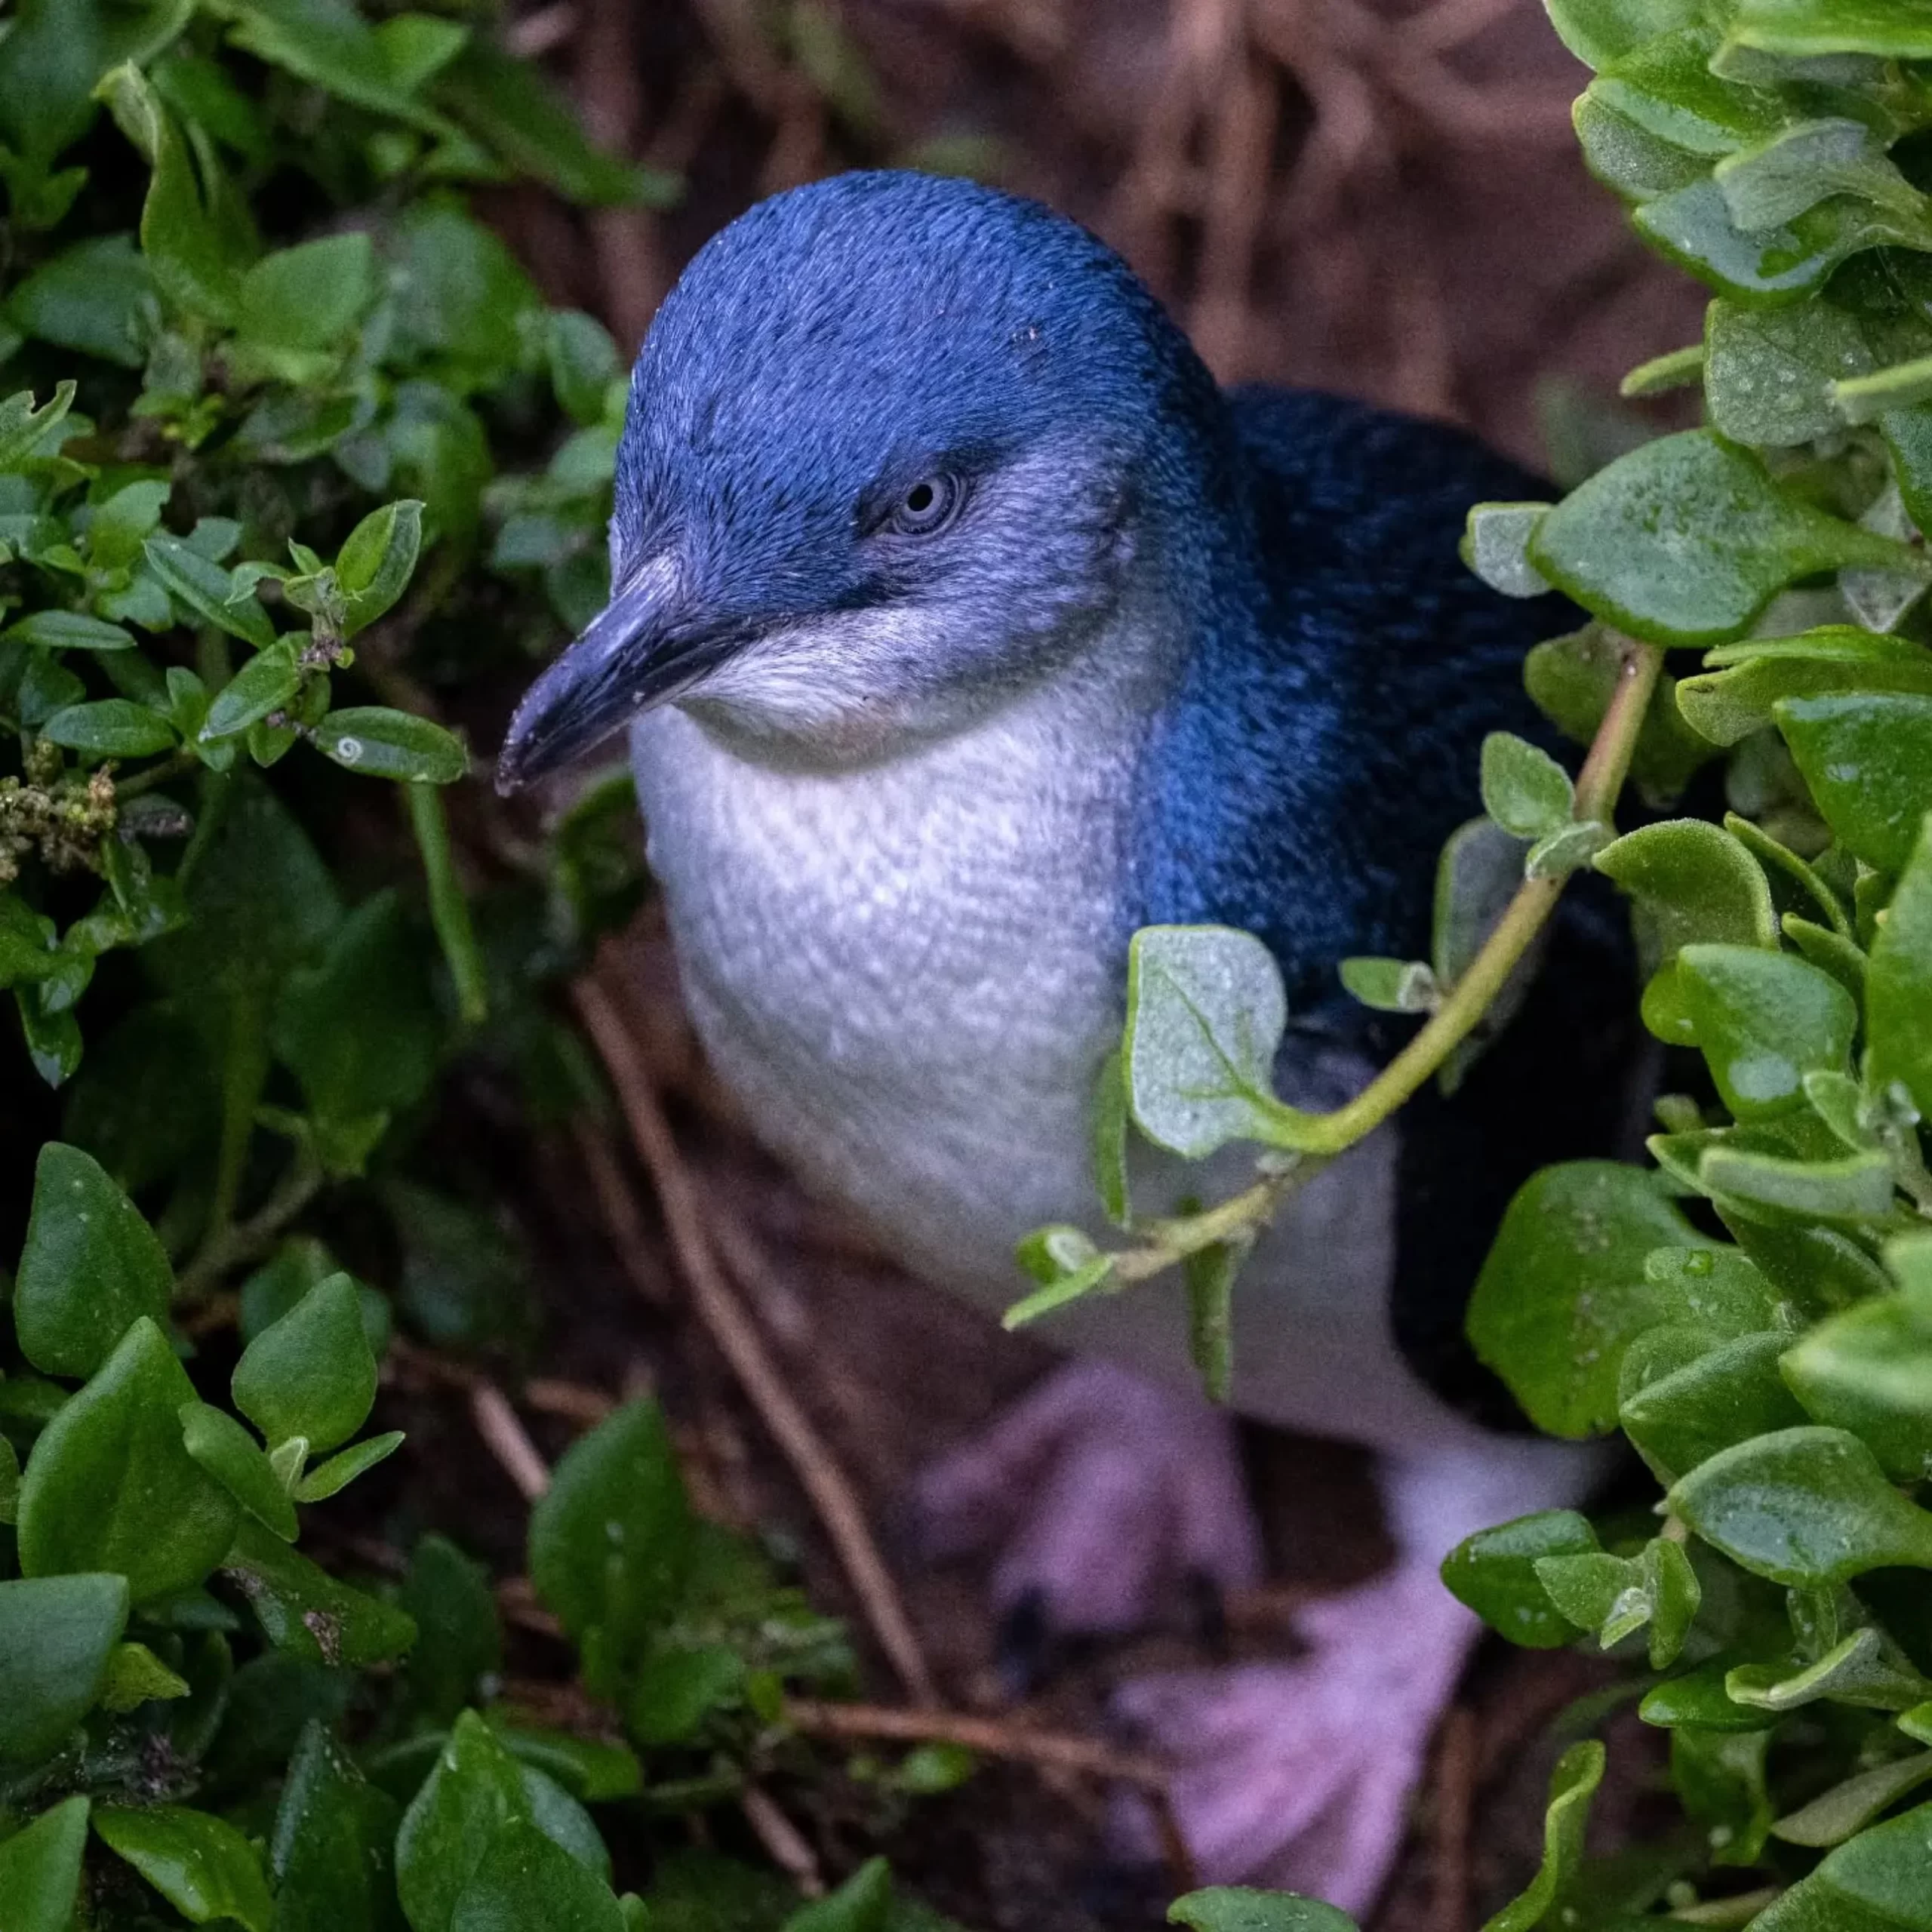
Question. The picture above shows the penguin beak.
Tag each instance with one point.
(644, 648)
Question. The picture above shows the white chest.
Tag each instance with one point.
(908, 973)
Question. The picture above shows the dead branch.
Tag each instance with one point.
(718, 1307)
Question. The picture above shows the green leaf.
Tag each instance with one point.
(1571, 678)
(1685, 541)
(1205, 1014)
(863, 1903)
(1694, 883)
(462, 299)
(1567, 849)
(27, 948)
(110, 727)
(135, 1675)
(1720, 1777)
(266, 683)
(583, 363)
(461, 1640)
(1693, 228)
(1525, 789)
(1698, 1701)
(1494, 1573)
(1479, 872)
(360, 1029)
(611, 1540)
(311, 1373)
(330, 45)
(212, 592)
(97, 297)
(1495, 547)
(91, 1268)
(305, 1613)
(40, 1869)
(109, 1486)
(66, 630)
(120, 526)
(473, 1795)
(1857, 1188)
(1238, 1909)
(374, 565)
(1867, 758)
(236, 1460)
(56, 1635)
(1866, 1669)
(1617, 1596)
(1879, 1882)
(676, 1686)
(1067, 1265)
(333, 1848)
(1764, 1019)
(309, 298)
(1899, 29)
(510, 105)
(1208, 1275)
(1598, 32)
(24, 429)
(590, 1770)
(190, 247)
(1110, 1140)
(1869, 1370)
(527, 1883)
(1768, 372)
(392, 744)
(1675, 369)
(1563, 1290)
(1898, 982)
(1683, 1400)
(338, 1471)
(1835, 1815)
(1802, 164)
(1806, 1506)
(1392, 985)
(1572, 1785)
(200, 1864)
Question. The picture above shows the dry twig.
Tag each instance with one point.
(1457, 1747)
(629, 259)
(783, 1842)
(724, 1315)
(504, 1436)
(994, 1737)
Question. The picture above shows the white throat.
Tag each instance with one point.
(909, 971)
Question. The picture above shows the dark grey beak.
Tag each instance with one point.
(644, 647)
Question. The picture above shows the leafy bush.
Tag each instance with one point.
(273, 396)
(1753, 1311)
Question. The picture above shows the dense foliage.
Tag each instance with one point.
(1753, 1311)
(292, 455)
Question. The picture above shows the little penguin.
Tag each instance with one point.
(962, 626)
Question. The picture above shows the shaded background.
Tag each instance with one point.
(1383, 199)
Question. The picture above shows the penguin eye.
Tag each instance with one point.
(926, 505)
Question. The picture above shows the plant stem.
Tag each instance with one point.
(245, 1073)
(1174, 1239)
(235, 1242)
(1597, 785)
(449, 908)
(172, 766)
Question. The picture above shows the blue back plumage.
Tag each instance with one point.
(1325, 740)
